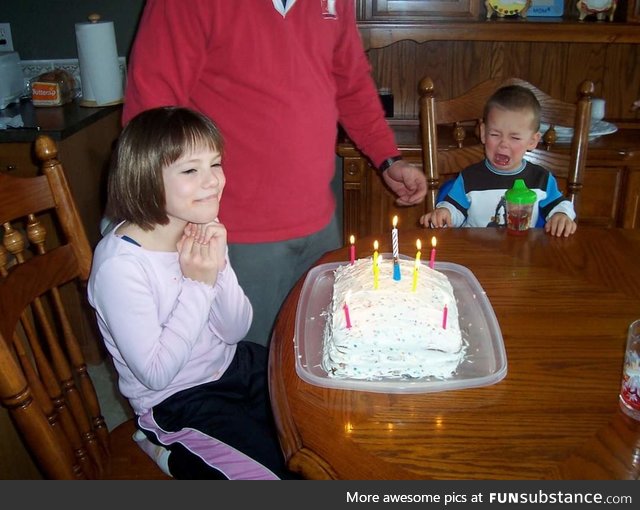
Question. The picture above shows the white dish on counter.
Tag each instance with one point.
(598, 128)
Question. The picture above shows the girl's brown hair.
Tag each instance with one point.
(151, 141)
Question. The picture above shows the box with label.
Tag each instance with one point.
(548, 8)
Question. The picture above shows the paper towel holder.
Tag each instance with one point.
(94, 18)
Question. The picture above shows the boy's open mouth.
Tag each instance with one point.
(501, 159)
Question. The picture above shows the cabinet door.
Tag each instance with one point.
(631, 217)
(600, 198)
(417, 10)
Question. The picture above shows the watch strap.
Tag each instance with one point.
(384, 166)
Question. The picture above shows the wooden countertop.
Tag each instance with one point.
(59, 122)
(563, 306)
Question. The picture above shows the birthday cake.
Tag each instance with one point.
(406, 328)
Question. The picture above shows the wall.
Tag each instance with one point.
(45, 29)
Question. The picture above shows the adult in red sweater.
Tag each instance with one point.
(277, 79)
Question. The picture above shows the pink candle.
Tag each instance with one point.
(347, 317)
(444, 317)
(432, 259)
(352, 250)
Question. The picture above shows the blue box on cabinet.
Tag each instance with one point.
(548, 8)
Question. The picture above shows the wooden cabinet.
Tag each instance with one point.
(454, 43)
(383, 22)
(610, 197)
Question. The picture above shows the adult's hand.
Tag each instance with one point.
(407, 182)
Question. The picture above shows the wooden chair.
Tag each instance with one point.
(462, 115)
(44, 382)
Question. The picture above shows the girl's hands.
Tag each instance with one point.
(202, 250)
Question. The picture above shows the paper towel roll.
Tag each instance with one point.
(98, 60)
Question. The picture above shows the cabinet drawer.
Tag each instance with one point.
(417, 10)
(16, 159)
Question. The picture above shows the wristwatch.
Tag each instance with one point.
(384, 166)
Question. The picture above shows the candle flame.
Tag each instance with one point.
(433, 241)
(395, 221)
(352, 239)
(375, 245)
(419, 244)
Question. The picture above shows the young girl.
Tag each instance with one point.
(170, 309)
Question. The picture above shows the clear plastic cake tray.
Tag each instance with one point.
(485, 362)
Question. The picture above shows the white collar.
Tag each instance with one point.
(277, 4)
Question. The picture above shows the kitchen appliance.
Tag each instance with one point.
(11, 78)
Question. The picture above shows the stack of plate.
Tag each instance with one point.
(598, 128)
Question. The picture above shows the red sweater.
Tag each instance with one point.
(276, 86)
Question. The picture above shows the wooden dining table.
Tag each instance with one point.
(563, 306)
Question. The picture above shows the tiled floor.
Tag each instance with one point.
(115, 408)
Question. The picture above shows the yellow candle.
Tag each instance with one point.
(376, 273)
(414, 285)
(418, 247)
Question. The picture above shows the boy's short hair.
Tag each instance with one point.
(514, 98)
(151, 141)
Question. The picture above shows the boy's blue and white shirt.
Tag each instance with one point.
(476, 198)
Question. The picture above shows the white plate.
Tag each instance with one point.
(484, 364)
(598, 128)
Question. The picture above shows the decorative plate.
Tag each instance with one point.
(507, 7)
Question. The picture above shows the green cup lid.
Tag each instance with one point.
(520, 194)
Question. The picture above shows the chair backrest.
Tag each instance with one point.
(458, 119)
(44, 382)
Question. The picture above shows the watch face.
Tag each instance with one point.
(508, 7)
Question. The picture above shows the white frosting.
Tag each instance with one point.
(395, 332)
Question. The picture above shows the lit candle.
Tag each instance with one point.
(432, 260)
(444, 317)
(418, 247)
(375, 255)
(345, 307)
(352, 250)
(394, 238)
